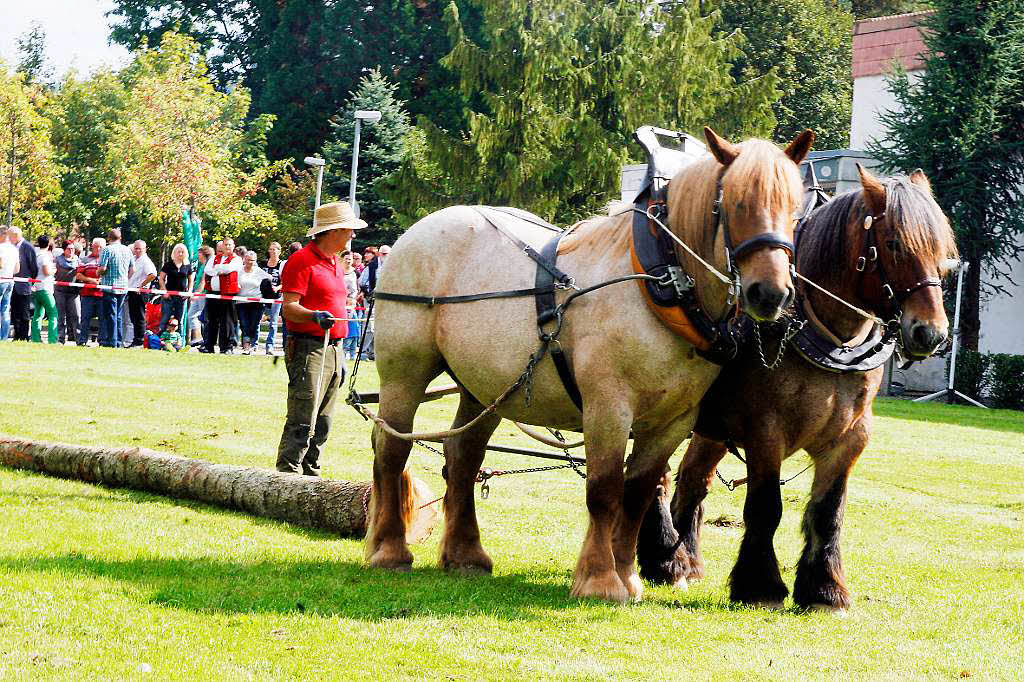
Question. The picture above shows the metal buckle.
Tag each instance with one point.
(862, 263)
(677, 278)
(867, 221)
(888, 291)
(568, 283)
(872, 253)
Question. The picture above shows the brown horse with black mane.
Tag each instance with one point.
(773, 413)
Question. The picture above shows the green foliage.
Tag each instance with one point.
(26, 154)
(181, 143)
(963, 123)
(32, 48)
(301, 58)
(866, 9)
(83, 118)
(562, 86)
(1006, 382)
(972, 368)
(807, 44)
(381, 150)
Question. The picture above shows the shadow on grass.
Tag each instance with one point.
(346, 589)
(959, 415)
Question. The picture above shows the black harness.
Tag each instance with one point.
(810, 343)
(657, 253)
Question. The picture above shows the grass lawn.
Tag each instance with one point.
(103, 583)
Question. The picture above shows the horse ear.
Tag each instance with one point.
(874, 191)
(723, 150)
(921, 180)
(799, 147)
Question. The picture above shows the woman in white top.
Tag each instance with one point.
(42, 294)
(250, 314)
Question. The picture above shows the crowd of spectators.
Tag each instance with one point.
(167, 321)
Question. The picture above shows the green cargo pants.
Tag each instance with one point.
(303, 356)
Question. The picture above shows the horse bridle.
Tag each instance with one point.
(770, 240)
(870, 261)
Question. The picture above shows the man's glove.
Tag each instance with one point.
(324, 319)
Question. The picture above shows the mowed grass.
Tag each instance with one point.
(104, 583)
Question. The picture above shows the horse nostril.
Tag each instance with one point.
(754, 294)
(926, 336)
(790, 296)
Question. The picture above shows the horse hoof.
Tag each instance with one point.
(395, 560)
(607, 586)
(837, 611)
(634, 586)
(682, 584)
(467, 560)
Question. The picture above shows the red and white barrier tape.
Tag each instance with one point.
(159, 292)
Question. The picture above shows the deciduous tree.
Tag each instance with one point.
(807, 44)
(183, 143)
(28, 170)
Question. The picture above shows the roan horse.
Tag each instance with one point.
(634, 375)
(774, 413)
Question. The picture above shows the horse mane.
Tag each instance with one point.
(760, 173)
(917, 220)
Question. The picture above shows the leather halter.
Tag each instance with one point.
(870, 262)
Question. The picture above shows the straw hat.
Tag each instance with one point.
(335, 216)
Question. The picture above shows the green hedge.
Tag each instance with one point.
(996, 377)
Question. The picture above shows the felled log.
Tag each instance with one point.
(335, 506)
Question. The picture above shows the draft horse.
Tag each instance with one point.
(883, 248)
(632, 373)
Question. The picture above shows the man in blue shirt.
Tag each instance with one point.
(114, 269)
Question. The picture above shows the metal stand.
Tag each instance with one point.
(949, 391)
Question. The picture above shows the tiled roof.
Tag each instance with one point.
(879, 42)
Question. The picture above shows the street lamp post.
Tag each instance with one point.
(360, 116)
(319, 164)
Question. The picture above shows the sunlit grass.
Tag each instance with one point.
(96, 582)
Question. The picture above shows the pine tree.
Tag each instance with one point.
(962, 122)
(560, 86)
(32, 48)
(381, 150)
(807, 44)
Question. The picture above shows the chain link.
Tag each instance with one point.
(792, 329)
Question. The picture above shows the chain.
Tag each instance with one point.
(792, 329)
(733, 484)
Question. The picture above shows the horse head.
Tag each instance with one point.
(904, 247)
(759, 192)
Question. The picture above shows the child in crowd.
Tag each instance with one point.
(171, 338)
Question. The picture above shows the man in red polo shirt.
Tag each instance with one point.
(313, 304)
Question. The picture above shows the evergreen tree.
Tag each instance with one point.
(562, 86)
(962, 122)
(32, 48)
(808, 45)
(381, 150)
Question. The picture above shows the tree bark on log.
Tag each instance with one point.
(331, 505)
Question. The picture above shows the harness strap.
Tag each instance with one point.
(547, 312)
(438, 300)
(556, 274)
